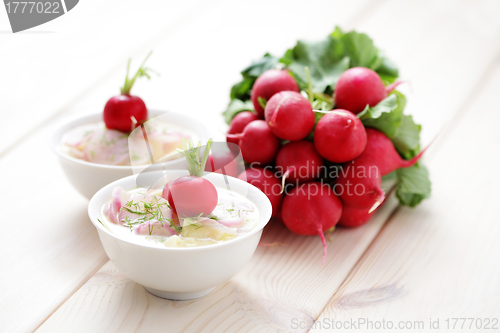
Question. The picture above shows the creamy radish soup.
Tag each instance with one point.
(143, 217)
(96, 144)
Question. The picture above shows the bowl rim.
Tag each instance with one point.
(260, 225)
(71, 121)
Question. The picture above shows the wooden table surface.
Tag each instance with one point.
(436, 262)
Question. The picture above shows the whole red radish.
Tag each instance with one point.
(240, 121)
(238, 124)
(126, 112)
(192, 195)
(380, 151)
(258, 144)
(269, 83)
(359, 185)
(358, 87)
(298, 161)
(353, 217)
(266, 181)
(311, 209)
(340, 136)
(224, 159)
(289, 115)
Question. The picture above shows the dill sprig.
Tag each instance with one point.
(148, 212)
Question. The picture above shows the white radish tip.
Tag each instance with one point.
(285, 176)
(282, 185)
(375, 206)
(379, 201)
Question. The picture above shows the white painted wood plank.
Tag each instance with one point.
(439, 261)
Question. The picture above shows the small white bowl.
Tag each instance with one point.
(87, 178)
(180, 273)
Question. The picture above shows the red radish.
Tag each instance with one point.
(289, 115)
(258, 144)
(340, 136)
(381, 152)
(126, 112)
(266, 181)
(269, 83)
(231, 167)
(353, 217)
(359, 186)
(192, 195)
(233, 138)
(358, 87)
(311, 209)
(240, 121)
(298, 161)
(238, 124)
(224, 158)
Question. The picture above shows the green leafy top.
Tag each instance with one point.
(326, 60)
(240, 92)
(413, 185)
(242, 89)
(142, 71)
(236, 106)
(386, 116)
(195, 162)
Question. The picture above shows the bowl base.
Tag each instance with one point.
(179, 296)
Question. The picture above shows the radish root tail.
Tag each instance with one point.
(415, 159)
(392, 86)
(285, 176)
(322, 236)
(381, 198)
(235, 136)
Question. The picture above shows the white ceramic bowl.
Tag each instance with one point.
(87, 178)
(180, 273)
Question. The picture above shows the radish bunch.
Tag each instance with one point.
(318, 142)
